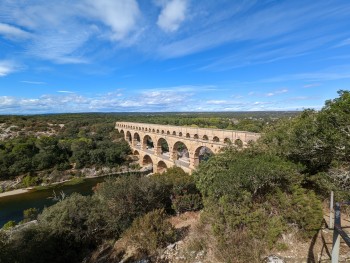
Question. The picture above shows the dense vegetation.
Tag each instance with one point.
(75, 144)
(248, 197)
(80, 223)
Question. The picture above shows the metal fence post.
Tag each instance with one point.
(336, 234)
(331, 207)
(336, 247)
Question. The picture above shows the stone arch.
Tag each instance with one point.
(180, 134)
(153, 130)
(202, 153)
(195, 136)
(147, 143)
(188, 135)
(205, 137)
(163, 131)
(157, 131)
(136, 155)
(216, 139)
(121, 131)
(161, 167)
(227, 141)
(162, 147)
(180, 154)
(137, 140)
(147, 162)
(239, 143)
(168, 132)
(128, 137)
(174, 133)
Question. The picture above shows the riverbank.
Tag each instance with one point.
(72, 181)
(16, 192)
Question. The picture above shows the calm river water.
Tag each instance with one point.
(11, 207)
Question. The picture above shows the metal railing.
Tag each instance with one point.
(338, 231)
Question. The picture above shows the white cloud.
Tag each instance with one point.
(7, 67)
(172, 15)
(276, 92)
(68, 101)
(12, 32)
(217, 102)
(121, 15)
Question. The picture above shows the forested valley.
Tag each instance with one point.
(247, 199)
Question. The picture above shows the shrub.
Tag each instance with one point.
(127, 198)
(30, 181)
(5, 253)
(182, 191)
(38, 244)
(9, 224)
(187, 202)
(30, 214)
(150, 233)
(300, 208)
(250, 198)
(79, 218)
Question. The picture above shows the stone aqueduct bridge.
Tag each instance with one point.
(141, 136)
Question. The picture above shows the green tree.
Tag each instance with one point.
(79, 218)
(127, 198)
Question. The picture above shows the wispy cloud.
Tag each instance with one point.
(330, 74)
(344, 42)
(7, 67)
(33, 82)
(276, 92)
(271, 23)
(13, 32)
(65, 91)
(312, 85)
(64, 36)
(173, 13)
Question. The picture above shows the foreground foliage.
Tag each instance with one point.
(150, 233)
(81, 223)
(254, 196)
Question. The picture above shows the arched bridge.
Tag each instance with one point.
(164, 146)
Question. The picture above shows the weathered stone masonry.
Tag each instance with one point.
(194, 139)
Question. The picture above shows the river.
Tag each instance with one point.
(11, 207)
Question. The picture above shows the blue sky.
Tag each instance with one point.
(172, 55)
